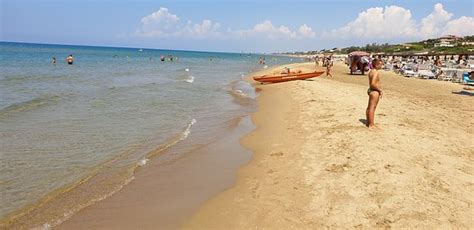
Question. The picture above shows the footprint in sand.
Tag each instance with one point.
(338, 167)
(393, 169)
(277, 154)
(255, 189)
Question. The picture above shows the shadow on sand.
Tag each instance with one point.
(463, 92)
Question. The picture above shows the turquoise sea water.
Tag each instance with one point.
(62, 124)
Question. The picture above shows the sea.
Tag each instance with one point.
(76, 134)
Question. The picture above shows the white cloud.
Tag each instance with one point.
(461, 27)
(159, 23)
(439, 23)
(397, 22)
(161, 15)
(306, 31)
(162, 23)
(377, 22)
(206, 28)
(374, 24)
(267, 30)
(432, 24)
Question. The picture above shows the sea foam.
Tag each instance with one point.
(190, 79)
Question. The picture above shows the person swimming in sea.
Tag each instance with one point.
(70, 59)
(53, 60)
(375, 92)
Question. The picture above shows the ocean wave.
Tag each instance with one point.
(68, 214)
(180, 137)
(188, 130)
(190, 79)
(78, 196)
(239, 93)
(143, 162)
(28, 105)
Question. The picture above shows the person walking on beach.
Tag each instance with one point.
(374, 92)
(329, 64)
(70, 59)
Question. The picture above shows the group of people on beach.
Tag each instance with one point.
(327, 61)
(69, 60)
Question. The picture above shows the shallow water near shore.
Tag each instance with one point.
(79, 133)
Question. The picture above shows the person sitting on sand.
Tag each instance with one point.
(374, 92)
(286, 70)
(70, 59)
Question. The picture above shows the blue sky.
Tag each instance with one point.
(249, 26)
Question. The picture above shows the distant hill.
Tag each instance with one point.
(448, 44)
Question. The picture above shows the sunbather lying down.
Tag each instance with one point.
(286, 70)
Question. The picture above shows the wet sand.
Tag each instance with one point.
(316, 165)
(167, 191)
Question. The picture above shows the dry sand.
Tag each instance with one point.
(316, 165)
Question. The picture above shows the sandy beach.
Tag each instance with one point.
(153, 116)
(316, 165)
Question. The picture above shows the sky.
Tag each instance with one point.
(262, 26)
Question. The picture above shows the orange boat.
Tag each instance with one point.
(287, 77)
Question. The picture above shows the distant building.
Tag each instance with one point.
(444, 44)
(449, 38)
(467, 43)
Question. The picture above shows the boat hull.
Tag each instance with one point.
(289, 77)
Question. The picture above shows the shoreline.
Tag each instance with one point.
(167, 192)
(169, 158)
(316, 165)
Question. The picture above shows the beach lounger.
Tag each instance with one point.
(409, 73)
(388, 67)
(458, 76)
(426, 74)
(448, 76)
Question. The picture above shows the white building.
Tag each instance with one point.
(443, 44)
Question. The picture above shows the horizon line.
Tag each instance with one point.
(130, 47)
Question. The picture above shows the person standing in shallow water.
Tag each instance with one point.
(374, 92)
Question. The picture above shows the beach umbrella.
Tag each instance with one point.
(359, 53)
